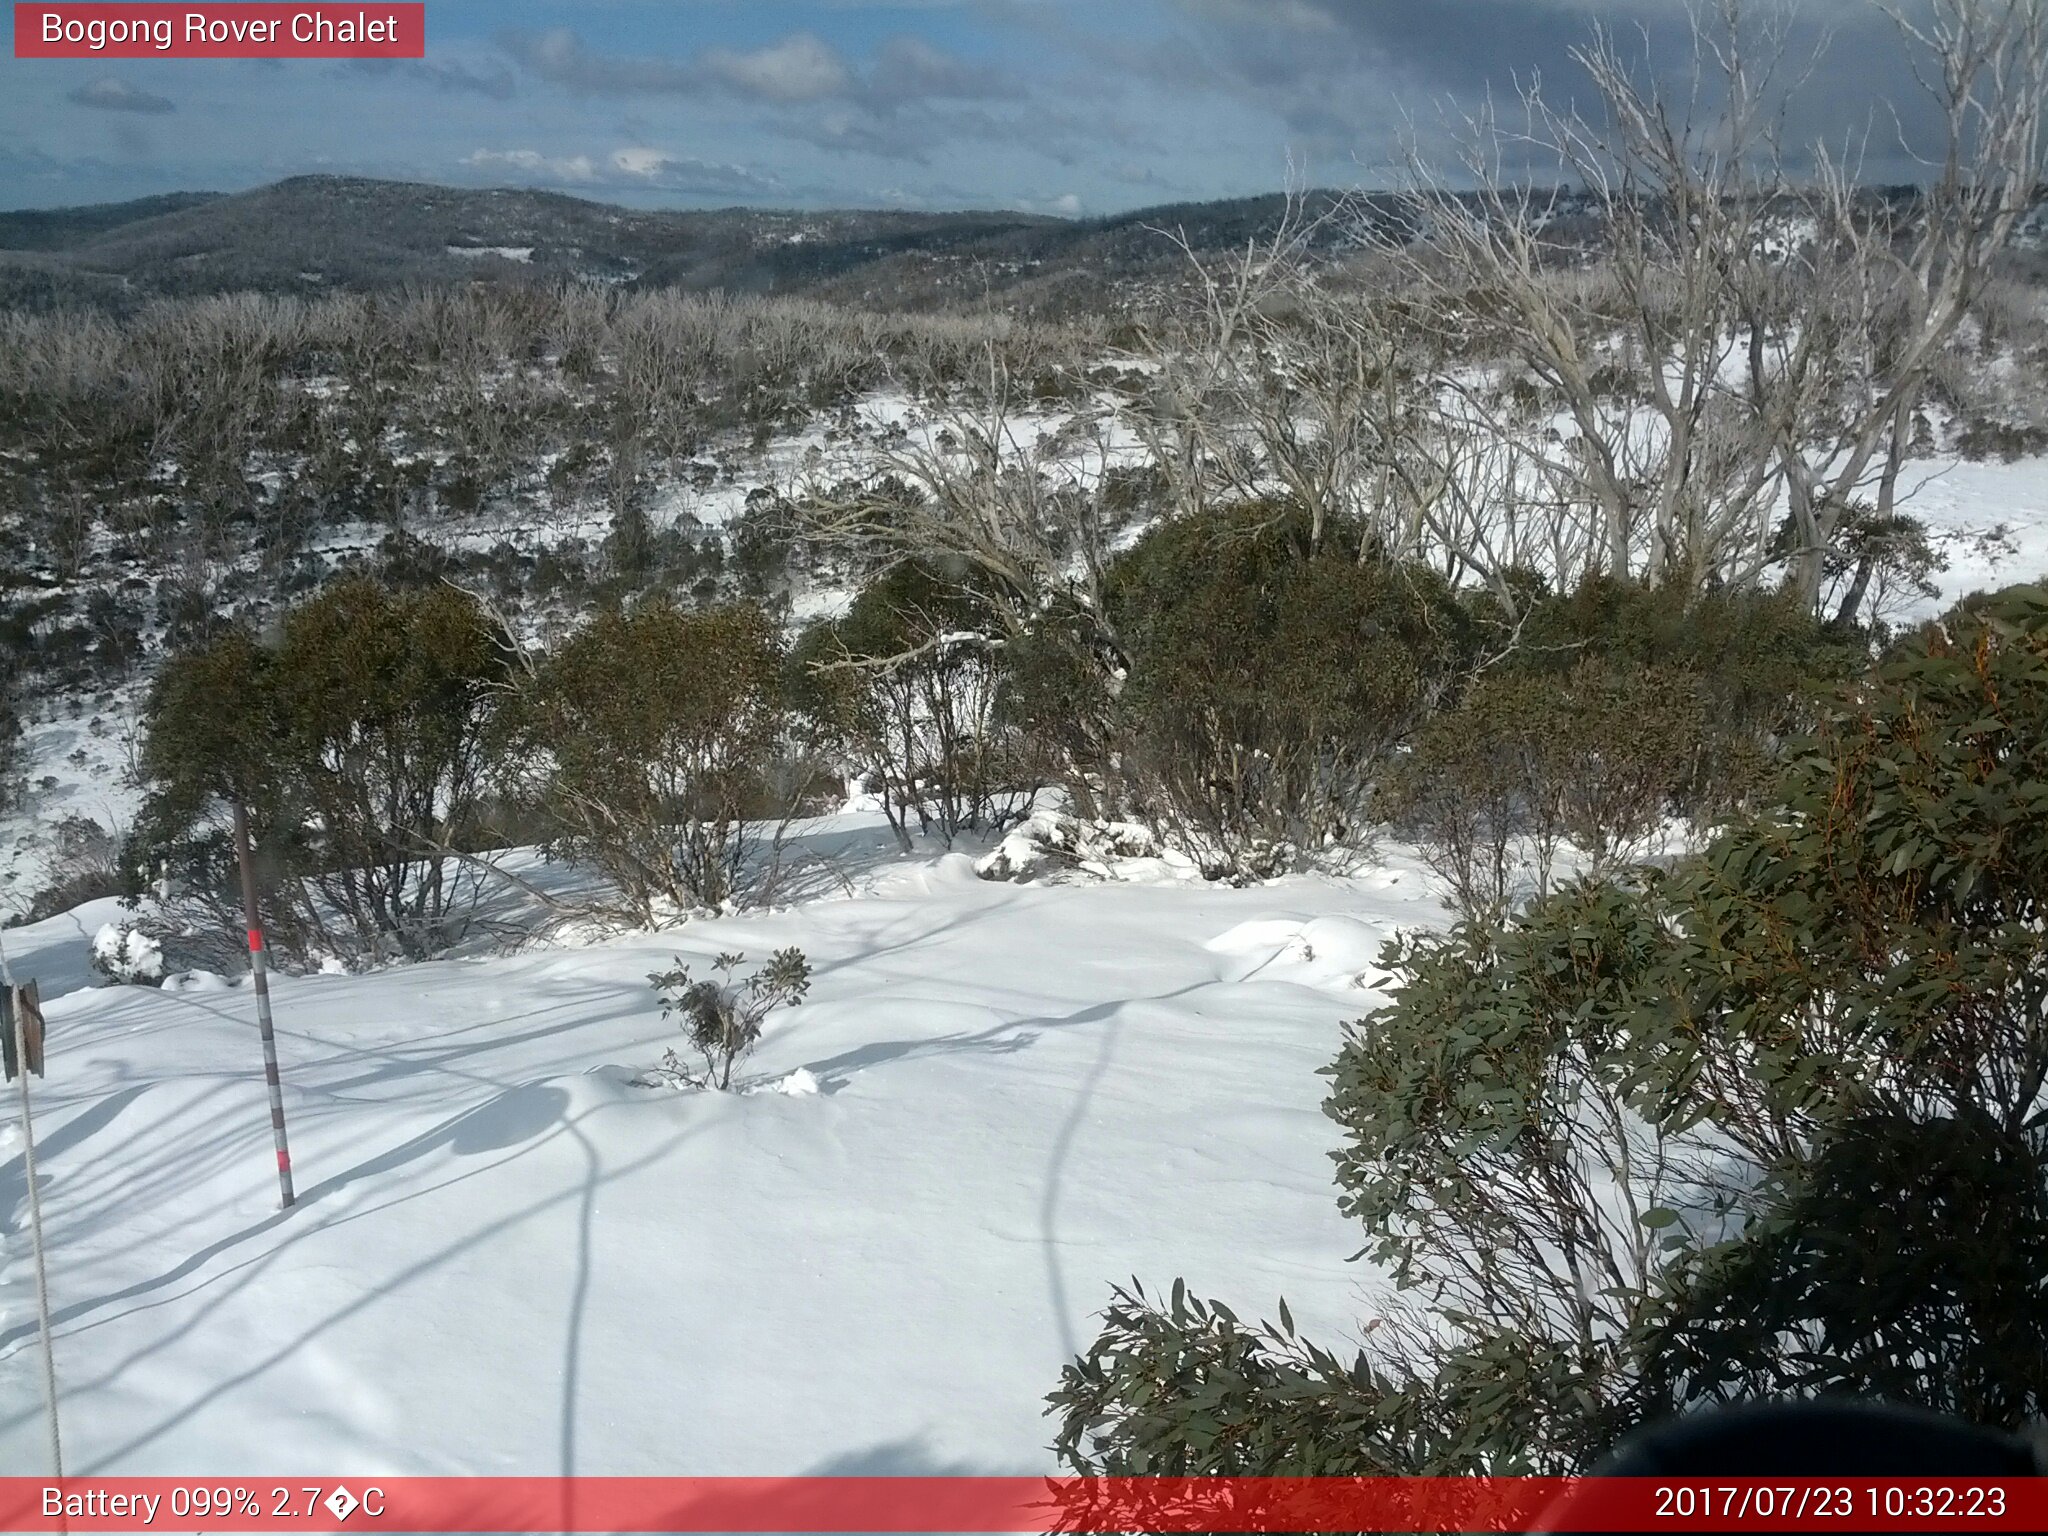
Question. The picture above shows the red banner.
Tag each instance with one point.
(82, 30)
(1024, 1504)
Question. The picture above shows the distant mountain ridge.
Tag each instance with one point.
(311, 233)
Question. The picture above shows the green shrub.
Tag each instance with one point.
(1527, 761)
(723, 1017)
(1184, 1388)
(1776, 1120)
(1268, 685)
(1901, 1265)
(358, 745)
(909, 686)
(648, 741)
(1760, 662)
(1060, 694)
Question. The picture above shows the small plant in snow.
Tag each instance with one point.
(722, 1016)
(126, 955)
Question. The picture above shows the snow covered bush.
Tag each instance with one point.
(723, 1017)
(1052, 841)
(1772, 1122)
(126, 955)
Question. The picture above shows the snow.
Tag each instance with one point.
(1332, 951)
(998, 1100)
(1961, 500)
(522, 253)
(127, 954)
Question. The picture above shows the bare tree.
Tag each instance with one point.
(1721, 340)
(984, 486)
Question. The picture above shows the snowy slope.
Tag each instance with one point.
(508, 1259)
(1962, 500)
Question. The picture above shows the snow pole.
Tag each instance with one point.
(259, 970)
(19, 1002)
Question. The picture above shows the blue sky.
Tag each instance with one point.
(1058, 106)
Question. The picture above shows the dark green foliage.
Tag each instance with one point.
(1060, 690)
(1601, 714)
(1889, 913)
(909, 686)
(404, 560)
(357, 743)
(722, 1017)
(1758, 662)
(1908, 1264)
(1876, 559)
(763, 546)
(648, 741)
(211, 730)
(11, 754)
(1773, 1121)
(1980, 438)
(1527, 760)
(1229, 1399)
(1269, 684)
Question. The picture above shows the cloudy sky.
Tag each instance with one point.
(1059, 106)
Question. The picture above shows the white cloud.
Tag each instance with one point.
(801, 67)
(631, 165)
(111, 95)
(532, 163)
(686, 173)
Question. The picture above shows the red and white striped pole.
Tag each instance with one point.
(259, 969)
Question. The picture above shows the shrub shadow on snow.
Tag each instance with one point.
(514, 1116)
(50, 1145)
(911, 1457)
(1007, 1038)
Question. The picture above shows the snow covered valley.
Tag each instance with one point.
(507, 1258)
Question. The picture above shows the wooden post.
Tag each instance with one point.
(23, 1025)
(259, 971)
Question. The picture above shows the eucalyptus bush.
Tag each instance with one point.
(358, 743)
(910, 685)
(647, 743)
(1270, 681)
(723, 1017)
(1641, 1144)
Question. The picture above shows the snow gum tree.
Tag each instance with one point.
(1741, 336)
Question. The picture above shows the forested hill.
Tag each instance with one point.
(312, 233)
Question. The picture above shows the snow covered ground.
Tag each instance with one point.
(72, 766)
(1961, 501)
(506, 1258)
